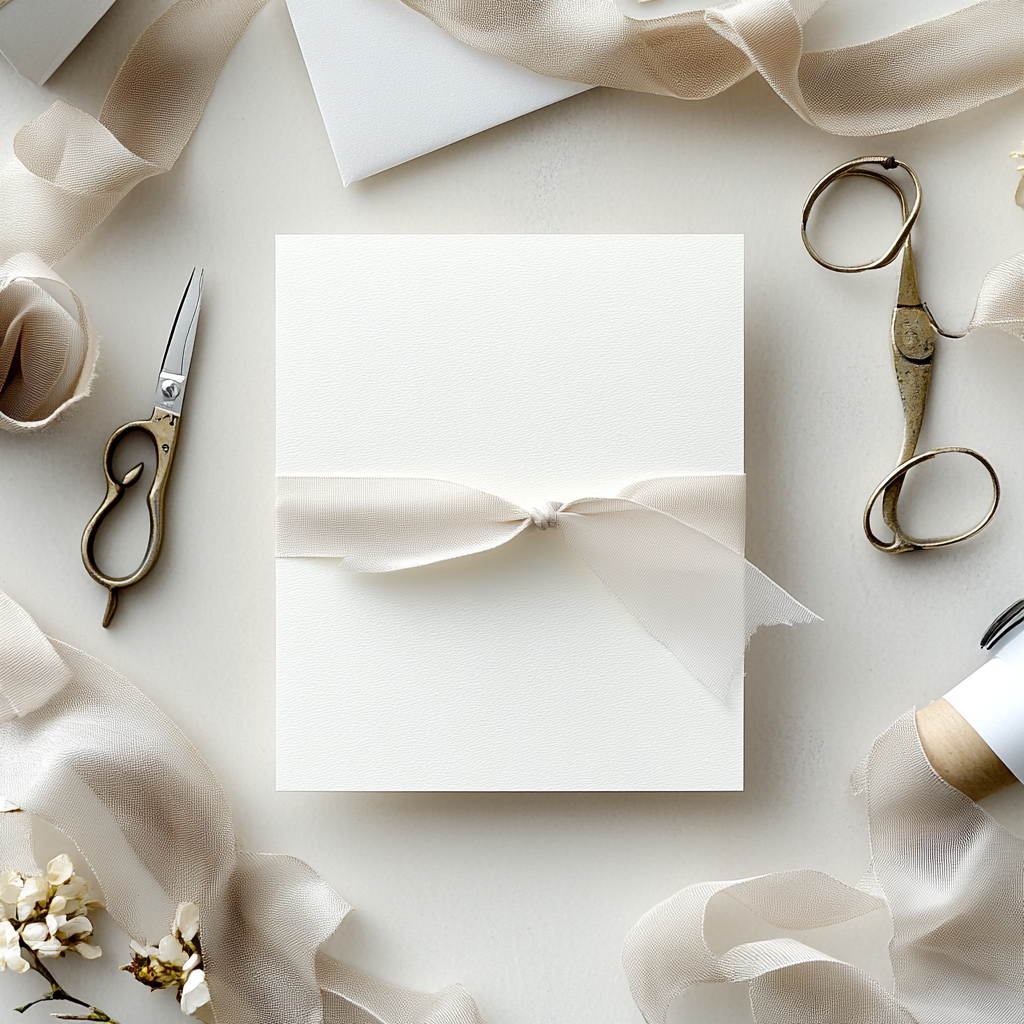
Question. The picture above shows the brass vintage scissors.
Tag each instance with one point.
(162, 427)
(913, 333)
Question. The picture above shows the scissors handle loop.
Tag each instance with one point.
(162, 427)
(857, 169)
(890, 487)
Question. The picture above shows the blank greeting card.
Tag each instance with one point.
(393, 86)
(494, 432)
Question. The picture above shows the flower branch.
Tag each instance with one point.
(46, 916)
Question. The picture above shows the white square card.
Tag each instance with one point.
(37, 35)
(392, 86)
(535, 367)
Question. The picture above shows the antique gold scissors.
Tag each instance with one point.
(913, 333)
(162, 427)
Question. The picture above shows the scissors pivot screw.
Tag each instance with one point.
(170, 388)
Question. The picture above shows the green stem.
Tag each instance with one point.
(57, 993)
(94, 1015)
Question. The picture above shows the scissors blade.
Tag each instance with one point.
(170, 385)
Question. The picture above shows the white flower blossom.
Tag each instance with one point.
(60, 869)
(10, 890)
(175, 961)
(195, 992)
(51, 909)
(10, 949)
(41, 936)
(186, 921)
(34, 890)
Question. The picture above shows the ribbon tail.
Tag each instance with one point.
(767, 604)
(697, 596)
(1001, 297)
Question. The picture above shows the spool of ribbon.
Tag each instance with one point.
(83, 749)
(669, 548)
(974, 735)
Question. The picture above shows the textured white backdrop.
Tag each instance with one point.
(525, 898)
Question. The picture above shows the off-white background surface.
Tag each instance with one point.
(526, 898)
(538, 368)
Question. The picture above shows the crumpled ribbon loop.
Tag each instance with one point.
(951, 877)
(48, 347)
(95, 758)
(670, 548)
(666, 952)
(769, 34)
(933, 70)
(69, 171)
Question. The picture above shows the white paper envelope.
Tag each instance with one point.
(392, 86)
(37, 35)
(539, 368)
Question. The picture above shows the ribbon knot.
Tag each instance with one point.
(670, 549)
(545, 517)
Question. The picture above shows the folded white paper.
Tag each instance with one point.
(539, 368)
(37, 35)
(392, 85)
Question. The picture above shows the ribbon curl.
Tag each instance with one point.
(69, 171)
(950, 875)
(83, 749)
(670, 548)
(933, 70)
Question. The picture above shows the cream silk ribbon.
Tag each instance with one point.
(669, 548)
(932, 70)
(83, 749)
(951, 877)
(69, 171)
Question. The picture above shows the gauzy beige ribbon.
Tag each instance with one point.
(83, 749)
(932, 70)
(70, 170)
(951, 877)
(669, 548)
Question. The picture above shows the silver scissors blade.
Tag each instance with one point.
(170, 385)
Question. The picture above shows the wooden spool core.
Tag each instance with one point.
(958, 753)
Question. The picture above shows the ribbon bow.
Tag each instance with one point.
(670, 548)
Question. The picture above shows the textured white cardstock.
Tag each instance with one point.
(392, 86)
(536, 367)
(37, 35)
